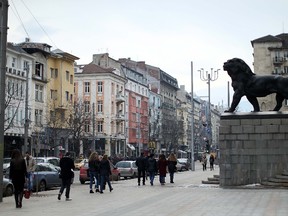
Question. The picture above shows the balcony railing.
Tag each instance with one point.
(279, 60)
(120, 98)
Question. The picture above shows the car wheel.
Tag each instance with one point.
(42, 185)
(8, 190)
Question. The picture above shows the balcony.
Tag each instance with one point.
(39, 78)
(120, 98)
(279, 60)
(119, 117)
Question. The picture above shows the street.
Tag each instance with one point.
(187, 196)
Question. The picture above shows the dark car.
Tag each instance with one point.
(8, 187)
(45, 176)
(83, 177)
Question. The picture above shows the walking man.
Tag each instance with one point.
(30, 166)
(141, 163)
(67, 167)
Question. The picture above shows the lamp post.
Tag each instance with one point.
(208, 77)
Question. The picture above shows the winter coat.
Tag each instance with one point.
(172, 166)
(152, 165)
(141, 163)
(18, 173)
(105, 169)
(94, 166)
(67, 166)
(162, 167)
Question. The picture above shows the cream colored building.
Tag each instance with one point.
(271, 58)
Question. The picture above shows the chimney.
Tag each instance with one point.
(27, 39)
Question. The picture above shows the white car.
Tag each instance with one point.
(127, 169)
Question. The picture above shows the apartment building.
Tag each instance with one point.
(18, 78)
(60, 98)
(271, 58)
(101, 91)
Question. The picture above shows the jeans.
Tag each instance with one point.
(152, 177)
(94, 176)
(66, 183)
(162, 179)
(30, 181)
(105, 179)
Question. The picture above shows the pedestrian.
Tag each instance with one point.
(18, 173)
(162, 167)
(141, 163)
(211, 161)
(152, 168)
(94, 171)
(105, 171)
(67, 174)
(31, 166)
(172, 162)
(204, 162)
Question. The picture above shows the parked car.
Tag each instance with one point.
(79, 163)
(53, 160)
(45, 176)
(83, 177)
(127, 169)
(8, 187)
(183, 164)
(6, 164)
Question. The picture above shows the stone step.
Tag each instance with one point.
(285, 173)
(216, 176)
(278, 180)
(274, 184)
(282, 177)
(213, 179)
(210, 182)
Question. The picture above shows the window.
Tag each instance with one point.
(53, 94)
(87, 87)
(13, 62)
(17, 89)
(52, 116)
(21, 90)
(100, 106)
(71, 79)
(67, 95)
(100, 87)
(38, 93)
(87, 126)
(87, 106)
(38, 117)
(25, 65)
(67, 76)
(71, 98)
(54, 73)
(39, 69)
(100, 126)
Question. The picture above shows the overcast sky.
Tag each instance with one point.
(168, 34)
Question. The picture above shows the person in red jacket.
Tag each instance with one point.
(162, 167)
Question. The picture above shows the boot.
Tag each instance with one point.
(16, 200)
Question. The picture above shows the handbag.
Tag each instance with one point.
(27, 194)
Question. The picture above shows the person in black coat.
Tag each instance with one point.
(152, 168)
(172, 162)
(67, 166)
(141, 163)
(105, 171)
(18, 173)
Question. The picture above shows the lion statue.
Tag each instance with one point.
(245, 82)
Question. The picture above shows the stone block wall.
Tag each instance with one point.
(253, 147)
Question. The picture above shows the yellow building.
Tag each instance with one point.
(60, 96)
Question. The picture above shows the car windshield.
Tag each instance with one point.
(123, 164)
(6, 160)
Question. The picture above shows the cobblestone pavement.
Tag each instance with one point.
(187, 196)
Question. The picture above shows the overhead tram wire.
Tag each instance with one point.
(39, 24)
(14, 10)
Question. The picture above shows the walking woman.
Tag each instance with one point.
(172, 161)
(18, 173)
(105, 171)
(94, 168)
(162, 167)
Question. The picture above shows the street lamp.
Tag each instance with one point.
(208, 77)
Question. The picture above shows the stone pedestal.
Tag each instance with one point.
(253, 147)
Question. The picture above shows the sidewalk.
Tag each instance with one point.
(186, 197)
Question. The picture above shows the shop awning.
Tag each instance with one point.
(131, 146)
